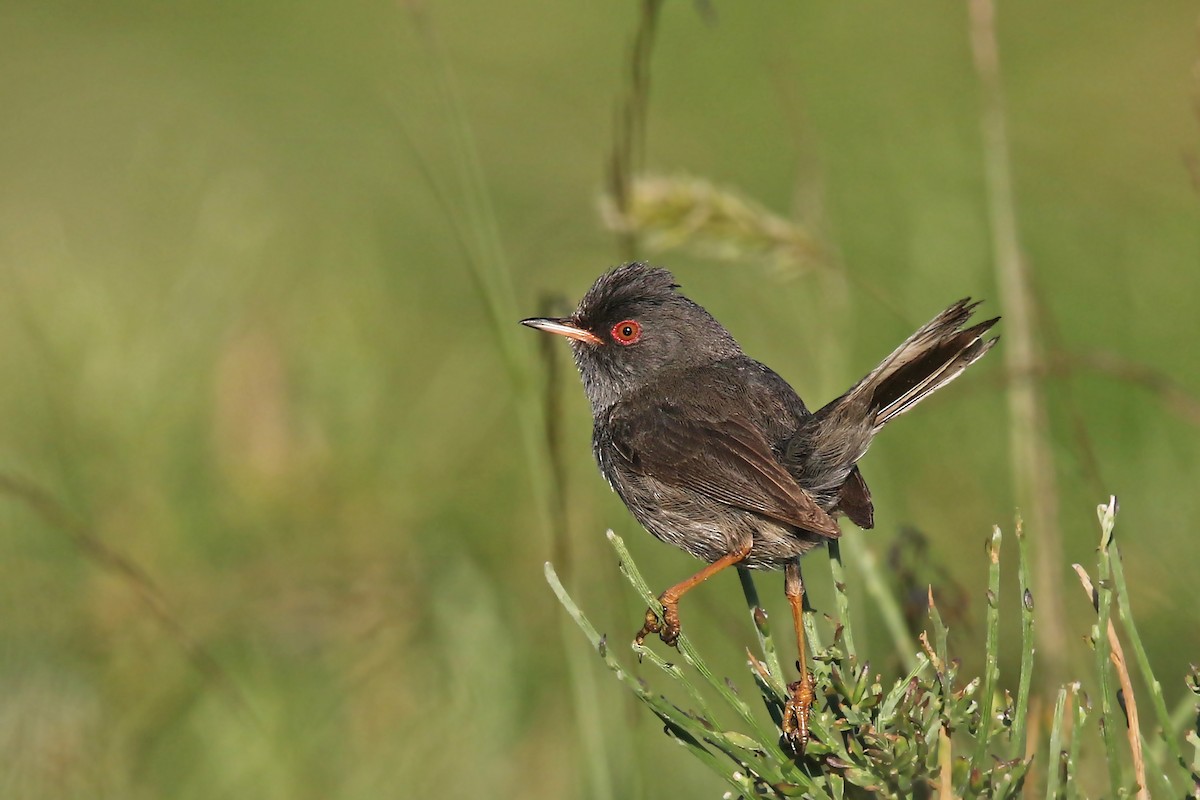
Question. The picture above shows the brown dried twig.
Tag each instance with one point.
(1117, 656)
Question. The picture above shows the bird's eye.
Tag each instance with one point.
(627, 331)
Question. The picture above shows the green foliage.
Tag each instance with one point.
(933, 729)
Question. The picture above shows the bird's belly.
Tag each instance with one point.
(710, 530)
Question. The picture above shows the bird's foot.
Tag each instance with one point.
(667, 628)
(796, 712)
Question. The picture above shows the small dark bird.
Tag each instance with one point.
(716, 454)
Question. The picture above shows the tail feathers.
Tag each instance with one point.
(825, 448)
(929, 370)
(929, 359)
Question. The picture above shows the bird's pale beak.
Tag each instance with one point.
(563, 327)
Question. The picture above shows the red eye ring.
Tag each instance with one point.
(627, 332)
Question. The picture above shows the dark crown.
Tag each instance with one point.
(628, 283)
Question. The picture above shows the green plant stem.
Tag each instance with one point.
(887, 709)
(479, 236)
(941, 651)
(1031, 457)
(1055, 757)
(893, 618)
(676, 672)
(1193, 738)
(595, 743)
(991, 668)
(762, 626)
(634, 576)
(1185, 711)
(1103, 598)
(677, 721)
(1079, 715)
(1125, 610)
(1027, 644)
(843, 602)
(629, 138)
(766, 736)
(739, 748)
(891, 741)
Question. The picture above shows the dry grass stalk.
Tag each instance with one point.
(684, 212)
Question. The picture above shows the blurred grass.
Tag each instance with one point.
(240, 347)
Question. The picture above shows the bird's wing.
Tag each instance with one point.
(723, 458)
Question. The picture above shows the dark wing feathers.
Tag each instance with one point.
(723, 459)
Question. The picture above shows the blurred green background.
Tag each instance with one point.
(270, 521)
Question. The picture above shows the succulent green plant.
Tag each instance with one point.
(932, 730)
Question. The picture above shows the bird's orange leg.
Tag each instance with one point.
(668, 627)
(803, 691)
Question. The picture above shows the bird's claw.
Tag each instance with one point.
(796, 711)
(667, 628)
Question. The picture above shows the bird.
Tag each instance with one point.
(715, 453)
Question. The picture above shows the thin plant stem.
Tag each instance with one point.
(1166, 729)
(843, 602)
(1133, 730)
(1185, 711)
(893, 618)
(487, 264)
(991, 668)
(1031, 458)
(692, 657)
(590, 716)
(945, 763)
(939, 655)
(1102, 598)
(1021, 712)
(1054, 761)
(887, 708)
(629, 138)
(1193, 738)
(676, 721)
(812, 636)
(762, 626)
(478, 235)
(1079, 715)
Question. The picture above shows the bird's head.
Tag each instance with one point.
(631, 327)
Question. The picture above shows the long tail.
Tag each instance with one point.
(825, 449)
(928, 360)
